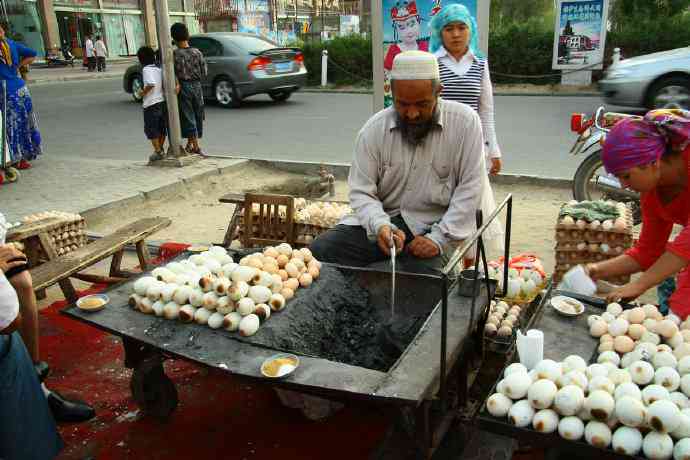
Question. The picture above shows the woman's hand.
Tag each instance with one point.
(10, 257)
(496, 165)
(593, 271)
(630, 291)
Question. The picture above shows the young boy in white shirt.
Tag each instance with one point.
(153, 102)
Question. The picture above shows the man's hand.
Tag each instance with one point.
(10, 257)
(496, 165)
(423, 248)
(626, 293)
(384, 239)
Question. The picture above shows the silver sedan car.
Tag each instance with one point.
(240, 65)
(652, 81)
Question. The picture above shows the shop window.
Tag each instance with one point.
(122, 4)
(81, 3)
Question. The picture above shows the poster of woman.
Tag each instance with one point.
(406, 28)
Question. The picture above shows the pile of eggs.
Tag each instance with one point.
(502, 319)
(629, 409)
(522, 285)
(320, 213)
(641, 328)
(210, 289)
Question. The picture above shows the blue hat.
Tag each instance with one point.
(449, 14)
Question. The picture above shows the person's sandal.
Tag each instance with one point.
(157, 156)
(199, 152)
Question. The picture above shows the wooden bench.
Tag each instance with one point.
(58, 269)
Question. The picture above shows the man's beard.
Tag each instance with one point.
(415, 133)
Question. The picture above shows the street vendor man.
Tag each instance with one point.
(415, 176)
(651, 155)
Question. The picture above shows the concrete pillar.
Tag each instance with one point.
(49, 25)
(150, 24)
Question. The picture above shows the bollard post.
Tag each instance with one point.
(324, 68)
(616, 55)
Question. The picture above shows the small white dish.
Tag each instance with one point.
(567, 306)
(92, 303)
(280, 365)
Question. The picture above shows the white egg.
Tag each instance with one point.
(499, 405)
(628, 389)
(681, 451)
(596, 370)
(609, 356)
(574, 363)
(598, 434)
(545, 421)
(641, 372)
(516, 385)
(627, 441)
(657, 445)
(186, 314)
(542, 393)
(663, 416)
(680, 400)
(249, 325)
(571, 428)
(683, 428)
(215, 321)
(548, 369)
(231, 321)
(630, 411)
(653, 393)
(601, 383)
(521, 413)
(202, 315)
(614, 308)
(515, 367)
(569, 400)
(668, 378)
(600, 405)
(171, 310)
(664, 359)
(245, 306)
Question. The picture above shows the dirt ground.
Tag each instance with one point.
(198, 217)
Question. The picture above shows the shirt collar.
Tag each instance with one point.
(438, 119)
(442, 52)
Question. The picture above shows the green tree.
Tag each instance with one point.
(507, 11)
(624, 11)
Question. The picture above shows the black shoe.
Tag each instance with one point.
(43, 370)
(65, 410)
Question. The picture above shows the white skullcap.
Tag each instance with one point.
(415, 65)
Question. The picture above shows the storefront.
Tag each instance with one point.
(25, 23)
(119, 22)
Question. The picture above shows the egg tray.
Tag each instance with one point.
(628, 216)
(579, 257)
(591, 236)
(503, 345)
(573, 449)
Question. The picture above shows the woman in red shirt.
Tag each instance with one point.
(650, 155)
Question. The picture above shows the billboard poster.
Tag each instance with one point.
(406, 27)
(580, 34)
(254, 18)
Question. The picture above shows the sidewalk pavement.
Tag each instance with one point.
(75, 184)
(43, 74)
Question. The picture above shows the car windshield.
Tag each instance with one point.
(253, 44)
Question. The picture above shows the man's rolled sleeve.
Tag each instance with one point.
(363, 181)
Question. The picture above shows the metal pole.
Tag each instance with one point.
(164, 42)
(324, 68)
(377, 53)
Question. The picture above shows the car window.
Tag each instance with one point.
(251, 44)
(207, 46)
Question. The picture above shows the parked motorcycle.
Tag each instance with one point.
(54, 59)
(591, 181)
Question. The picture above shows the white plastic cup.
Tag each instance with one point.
(577, 280)
(530, 347)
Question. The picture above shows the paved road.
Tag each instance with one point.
(97, 120)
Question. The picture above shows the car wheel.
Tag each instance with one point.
(137, 84)
(280, 96)
(225, 93)
(670, 93)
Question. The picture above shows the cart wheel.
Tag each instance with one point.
(153, 391)
(12, 174)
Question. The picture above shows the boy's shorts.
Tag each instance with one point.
(155, 120)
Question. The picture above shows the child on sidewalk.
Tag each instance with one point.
(153, 102)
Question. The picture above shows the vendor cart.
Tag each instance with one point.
(427, 379)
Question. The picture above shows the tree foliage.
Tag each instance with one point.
(624, 12)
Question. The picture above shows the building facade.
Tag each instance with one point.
(125, 25)
(281, 20)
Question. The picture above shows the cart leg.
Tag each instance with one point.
(151, 388)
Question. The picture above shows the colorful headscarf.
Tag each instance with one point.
(449, 14)
(637, 142)
(5, 53)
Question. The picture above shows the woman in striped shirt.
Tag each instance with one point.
(465, 78)
(465, 72)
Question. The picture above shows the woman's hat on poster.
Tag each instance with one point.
(448, 15)
(415, 65)
(404, 10)
(641, 141)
